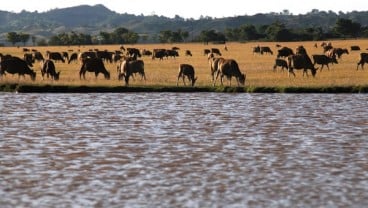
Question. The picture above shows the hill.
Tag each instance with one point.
(93, 19)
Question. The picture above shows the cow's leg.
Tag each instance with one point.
(214, 81)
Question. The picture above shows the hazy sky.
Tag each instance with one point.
(194, 8)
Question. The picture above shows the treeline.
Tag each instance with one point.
(277, 31)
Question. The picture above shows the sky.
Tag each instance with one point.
(193, 8)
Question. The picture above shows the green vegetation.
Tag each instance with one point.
(85, 25)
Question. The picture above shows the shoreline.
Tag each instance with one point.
(26, 88)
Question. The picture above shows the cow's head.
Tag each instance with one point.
(241, 79)
(56, 77)
(314, 71)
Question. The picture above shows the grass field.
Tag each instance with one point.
(258, 68)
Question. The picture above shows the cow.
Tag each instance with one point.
(206, 51)
(48, 68)
(186, 70)
(133, 52)
(229, 68)
(301, 61)
(213, 62)
(171, 53)
(284, 52)
(159, 53)
(340, 51)
(95, 65)
(38, 56)
(188, 53)
(28, 57)
(363, 60)
(216, 51)
(15, 65)
(128, 68)
(256, 49)
(281, 63)
(73, 57)
(354, 48)
(323, 60)
(266, 49)
(56, 56)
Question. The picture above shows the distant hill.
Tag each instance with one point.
(93, 19)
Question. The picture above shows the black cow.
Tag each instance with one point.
(216, 51)
(95, 65)
(38, 56)
(129, 67)
(171, 53)
(186, 70)
(134, 52)
(48, 68)
(281, 63)
(323, 60)
(229, 68)
(15, 65)
(266, 49)
(284, 52)
(206, 51)
(363, 60)
(73, 57)
(159, 53)
(340, 51)
(355, 48)
(301, 61)
(56, 56)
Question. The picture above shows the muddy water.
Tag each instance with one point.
(183, 150)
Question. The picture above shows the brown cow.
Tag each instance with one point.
(213, 62)
(128, 68)
(229, 68)
(186, 70)
(324, 60)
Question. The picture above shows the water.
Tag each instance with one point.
(183, 150)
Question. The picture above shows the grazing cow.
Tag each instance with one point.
(146, 52)
(284, 52)
(281, 63)
(229, 68)
(73, 57)
(216, 51)
(323, 60)
(128, 68)
(301, 61)
(213, 62)
(48, 68)
(56, 56)
(15, 65)
(355, 48)
(186, 70)
(266, 49)
(363, 60)
(95, 65)
(38, 56)
(188, 53)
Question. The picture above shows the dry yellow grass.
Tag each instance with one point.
(258, 68)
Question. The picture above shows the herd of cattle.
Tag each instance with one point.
(129, 62)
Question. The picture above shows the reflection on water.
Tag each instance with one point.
(183, 150)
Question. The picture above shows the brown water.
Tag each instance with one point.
(183, 150)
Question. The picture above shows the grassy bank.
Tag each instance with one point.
(28, 88)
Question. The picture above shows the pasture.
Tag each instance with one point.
(258, 68)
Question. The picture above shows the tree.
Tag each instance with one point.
(347, 27)
(13, 38)
(23, 37)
